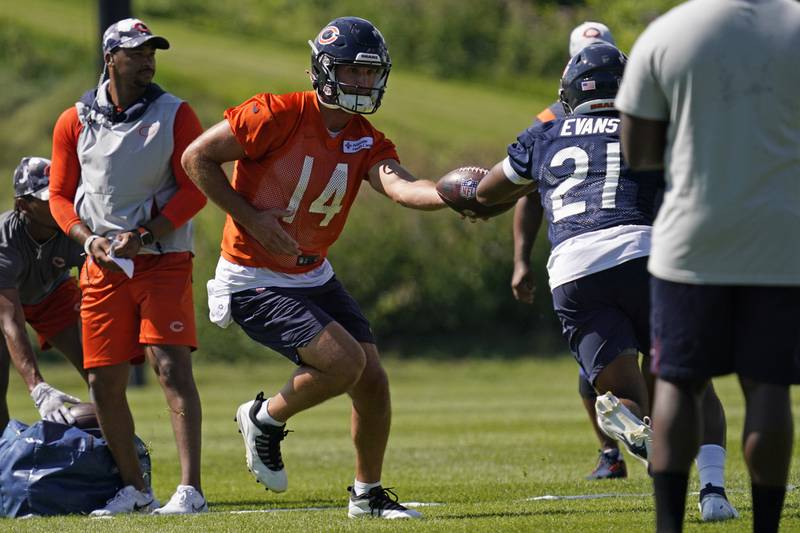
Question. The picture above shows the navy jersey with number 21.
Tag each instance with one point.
(583, 181)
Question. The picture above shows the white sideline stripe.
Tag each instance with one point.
(555, 497)
(290, 509)
(552, 497)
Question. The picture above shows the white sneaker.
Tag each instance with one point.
(619, 423)
(262, 445)
(128, 500)
(378, 503)
(186, 500)
(714, 505)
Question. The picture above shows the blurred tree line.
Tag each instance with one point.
(502, 41)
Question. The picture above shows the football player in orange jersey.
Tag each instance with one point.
(300, 159)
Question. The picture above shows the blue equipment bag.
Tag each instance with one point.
(53, 469)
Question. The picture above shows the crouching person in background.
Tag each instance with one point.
(36, 287)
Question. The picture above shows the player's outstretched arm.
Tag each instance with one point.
(391, 179)
(527, 220)
(203, 161)
(496, 188)
(49, 401)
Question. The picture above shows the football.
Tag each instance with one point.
(85, 415)
(458, 187)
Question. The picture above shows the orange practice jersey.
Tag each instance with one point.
(293, 162)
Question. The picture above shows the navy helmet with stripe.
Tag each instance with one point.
(591, 79)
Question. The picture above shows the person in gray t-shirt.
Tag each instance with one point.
(35, 286)
(715, 110)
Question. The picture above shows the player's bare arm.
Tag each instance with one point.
(203, 161)
(495, 188)
(527, 219)
(12, 323)
(643, 142)
(391, 179)
(50, 401)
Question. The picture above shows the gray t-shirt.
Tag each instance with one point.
(34, 269)
(722, 73)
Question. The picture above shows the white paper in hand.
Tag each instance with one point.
(123, 262)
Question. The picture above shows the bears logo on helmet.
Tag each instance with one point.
(328, 35)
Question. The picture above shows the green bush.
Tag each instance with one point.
(502, 41)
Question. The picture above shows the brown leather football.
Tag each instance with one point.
(457, 188)
(85, 415)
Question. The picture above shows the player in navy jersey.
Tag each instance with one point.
(599, 224)
(526, 222)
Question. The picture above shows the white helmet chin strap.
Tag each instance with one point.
(356, 103)
(333, 106)
(352, 103)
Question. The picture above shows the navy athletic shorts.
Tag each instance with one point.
(285, 319)
(701, 331)
(605, 314)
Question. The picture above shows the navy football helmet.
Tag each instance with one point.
(591, 79)
(349, 41)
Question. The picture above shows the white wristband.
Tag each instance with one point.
(87, 244)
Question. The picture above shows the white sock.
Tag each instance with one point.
(360, 488)
(263, 415)
(710, 463)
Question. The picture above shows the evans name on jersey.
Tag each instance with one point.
(589, 126)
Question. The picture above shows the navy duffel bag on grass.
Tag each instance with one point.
(53, 469)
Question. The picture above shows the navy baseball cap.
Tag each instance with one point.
(130, 33)
(32, 178)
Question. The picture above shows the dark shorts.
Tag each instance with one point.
(286, 319)
(605, 314)
(701, 331)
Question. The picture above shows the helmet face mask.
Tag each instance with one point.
(591, 79)
(349, 42)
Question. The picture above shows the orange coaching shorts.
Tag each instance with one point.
(120, 315)
(58, 311)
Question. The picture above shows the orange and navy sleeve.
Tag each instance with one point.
(263, 122)
(65, 170)
(188, 199)
(546, 115)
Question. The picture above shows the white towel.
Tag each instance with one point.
(219, 303)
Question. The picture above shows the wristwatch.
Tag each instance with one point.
(145, 236)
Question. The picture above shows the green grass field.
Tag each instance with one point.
(479, 438)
